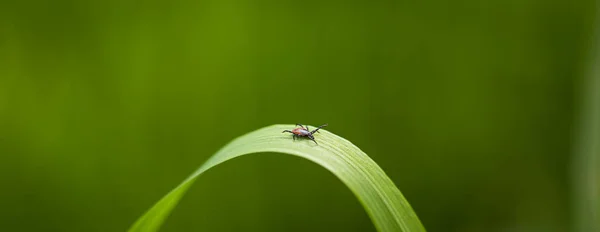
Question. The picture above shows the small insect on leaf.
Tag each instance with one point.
(303, 131)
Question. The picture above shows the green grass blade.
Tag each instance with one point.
(383, 202)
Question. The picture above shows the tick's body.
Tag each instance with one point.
(304, 132)
(301, 132)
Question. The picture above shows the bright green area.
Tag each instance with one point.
(471, 108)
(381, 199)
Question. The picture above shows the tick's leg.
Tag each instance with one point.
(317, 130)
(287, 131)
(298, 124)
(309, 129)
(312, 138)
(294, 137)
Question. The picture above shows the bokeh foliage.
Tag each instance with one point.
(468, 106)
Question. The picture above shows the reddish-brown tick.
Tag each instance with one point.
(304, 132)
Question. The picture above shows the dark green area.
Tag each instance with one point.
(469, 106)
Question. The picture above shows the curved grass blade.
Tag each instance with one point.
(383, 202)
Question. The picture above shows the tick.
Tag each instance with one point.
(304, 132)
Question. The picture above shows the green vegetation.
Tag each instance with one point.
(486, 114)
(381, 199)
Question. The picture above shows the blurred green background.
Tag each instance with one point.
(469, 106)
